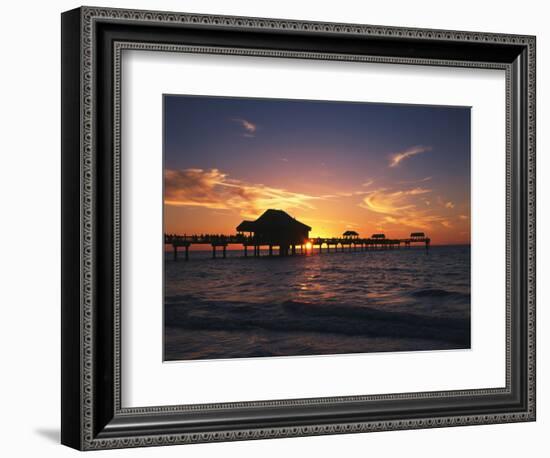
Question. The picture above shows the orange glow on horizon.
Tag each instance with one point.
(201, 201)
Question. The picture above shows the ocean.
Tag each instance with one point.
(359, 302)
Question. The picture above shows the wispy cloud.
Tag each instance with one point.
(343, 194)
(249, 128)
(214, 189)
(397, 158)
(348, 224)
(391, 202)
(403, 208)
(422, 180)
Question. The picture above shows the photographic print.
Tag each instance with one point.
(304, 227)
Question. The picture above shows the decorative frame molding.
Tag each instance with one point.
(94, 404)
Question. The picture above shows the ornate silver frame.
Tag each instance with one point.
(93, 417)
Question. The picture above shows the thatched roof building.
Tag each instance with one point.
(276, 227)
(417, 235)
(378, 236)
(350, 235)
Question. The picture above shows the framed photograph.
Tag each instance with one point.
(277, 228)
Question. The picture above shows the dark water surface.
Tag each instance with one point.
(360, 302)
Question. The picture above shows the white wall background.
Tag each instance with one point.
(30, 240)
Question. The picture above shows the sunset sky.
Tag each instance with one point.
(335, 166)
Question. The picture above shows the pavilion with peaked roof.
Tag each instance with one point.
(378, 236)
(276, 228)
(350, 235)
(417, 235)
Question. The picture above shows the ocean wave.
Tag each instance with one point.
(295, 317)
(439, 293)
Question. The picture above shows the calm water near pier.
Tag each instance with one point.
(391, 300)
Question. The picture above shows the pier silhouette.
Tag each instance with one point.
(276, 230)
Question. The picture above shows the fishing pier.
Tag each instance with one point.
(279, 234)
(254, 248)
